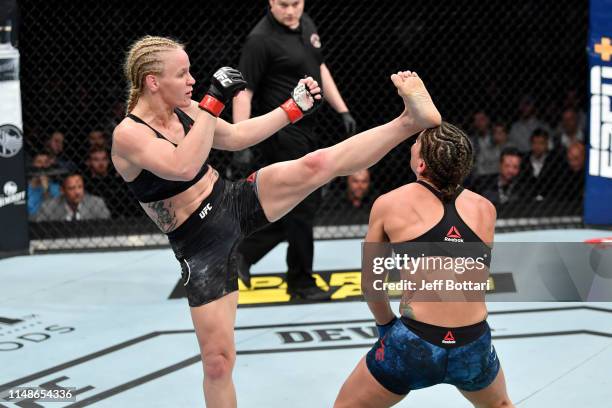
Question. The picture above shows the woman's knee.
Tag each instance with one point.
(219, 365)
(318, 166)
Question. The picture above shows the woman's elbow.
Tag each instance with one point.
(232, 141)
(188, 173)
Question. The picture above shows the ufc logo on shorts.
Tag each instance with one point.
(221, 77)
(600, 155)
(205, 210)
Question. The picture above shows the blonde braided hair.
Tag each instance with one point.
(143, 58)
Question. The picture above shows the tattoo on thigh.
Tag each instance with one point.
(165, 216)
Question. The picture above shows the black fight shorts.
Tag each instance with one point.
(205, 242)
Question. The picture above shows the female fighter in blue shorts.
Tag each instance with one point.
(433, 342)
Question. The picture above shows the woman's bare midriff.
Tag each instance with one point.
(170, 213)
(445, 314)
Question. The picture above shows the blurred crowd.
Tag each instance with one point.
(80, 184)
(530, 160)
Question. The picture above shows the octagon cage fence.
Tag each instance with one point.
(513, 75)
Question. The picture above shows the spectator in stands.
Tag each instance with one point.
(40, 186)
(74, 204)
(522, 129)
(504, 187)
(486, 156)
(574, 180)
(102, 180)
(98, 163)
(55, 148)
(481, 125)
(572, 101)
(359, 197)
(97, 138)
(575, 157)
(348, 200)
(570, 132)
(488, 163)
(543, 167)
(500, 137)
(55, 143)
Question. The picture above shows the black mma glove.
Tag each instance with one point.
(350, 126)
(301, 103)
(226, 82)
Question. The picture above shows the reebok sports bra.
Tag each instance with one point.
(451, 230)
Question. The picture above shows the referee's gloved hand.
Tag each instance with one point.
(384, 328)
(350, 126)
(225, 83)
(305, 99)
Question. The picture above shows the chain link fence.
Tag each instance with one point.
(512, 74)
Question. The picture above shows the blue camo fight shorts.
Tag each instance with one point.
(403, 361)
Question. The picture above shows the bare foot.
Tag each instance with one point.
(420, 111)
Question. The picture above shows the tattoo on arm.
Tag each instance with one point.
(165, 216)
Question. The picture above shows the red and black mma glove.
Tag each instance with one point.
(301, 103)
(225, 83)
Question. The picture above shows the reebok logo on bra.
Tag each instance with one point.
(205, 210)
(453, 235)
(380, 352)
(449, 338)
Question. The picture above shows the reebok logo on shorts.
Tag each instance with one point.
(380, 352)
(449, 338)
(205, 210)
(453, 235)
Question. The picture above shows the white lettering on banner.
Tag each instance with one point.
(600, 155)
(12, 195)
(15, 198)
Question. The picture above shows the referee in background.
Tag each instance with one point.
(280, 50)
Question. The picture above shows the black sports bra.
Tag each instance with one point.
(147, 187)
(448, 236)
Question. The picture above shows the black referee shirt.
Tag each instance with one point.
(275, 57)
